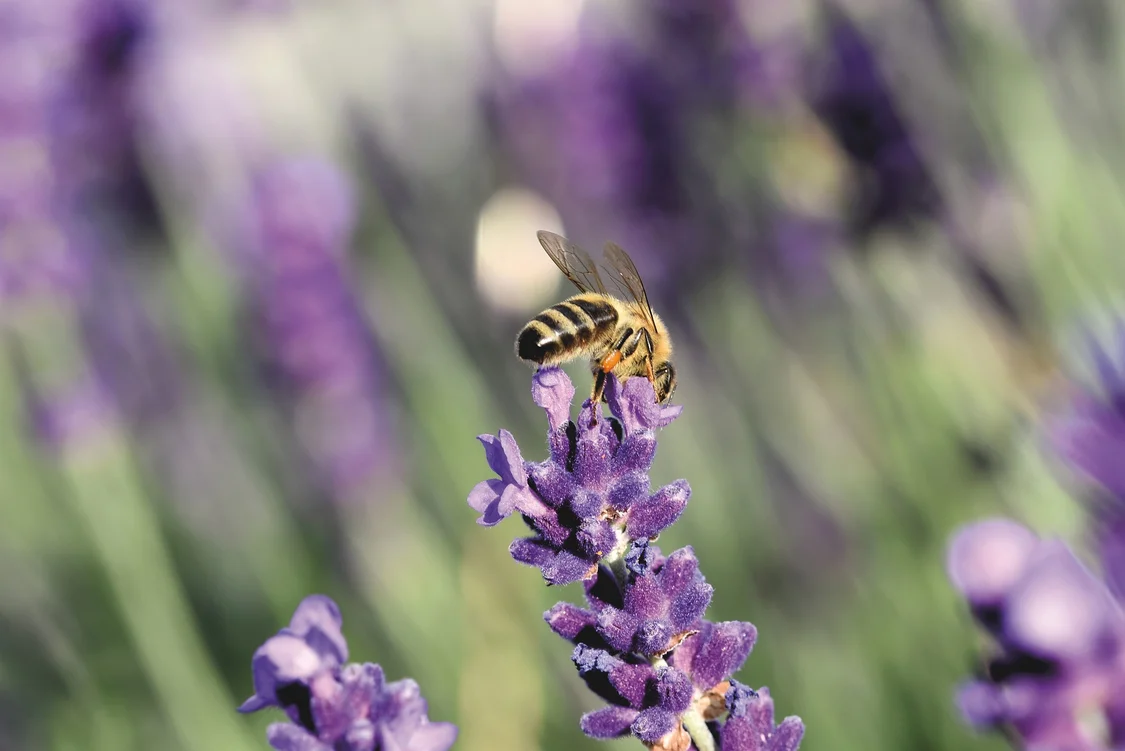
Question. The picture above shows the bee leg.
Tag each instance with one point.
(596, 398)
(648, 360)
(610, 361)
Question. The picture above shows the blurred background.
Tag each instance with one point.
(262, 263)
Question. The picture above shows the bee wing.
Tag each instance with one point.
(625, 277)
(574, 262)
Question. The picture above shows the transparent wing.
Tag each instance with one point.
(626, 279)
(574, 262)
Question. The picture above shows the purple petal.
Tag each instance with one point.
(788, 735)
(523, 500)
(629, 490)
(504, 457)
(689, 606)
(740, 698)
(758, 708)
(642, 556)
(592, 463)
(1059, 609)
(550, 528)
(654, 637)
(532, 551)
(403, 723)
(631, 681)
(586, 504)
(485, 498)
(645, 597)
(287, 737)
(660, 511)
(724, 647)
(568, 621)
(618, 628)
(566, 567)
(361, 736)
(674, 689)
(553, 390)
(986, 559)
(679, 570)
(610, 722)
(982, 704)
(435, 736)
(634, 404)
(284, 658)
(552, 482)
(1111, 551)
(317, 619)
(636, 452)
(597, 538)
(1091, 438)
(654, 723)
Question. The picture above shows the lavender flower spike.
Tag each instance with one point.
(592, 495)
(642, 646)
(332, 706)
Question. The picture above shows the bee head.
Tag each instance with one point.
(665, 382)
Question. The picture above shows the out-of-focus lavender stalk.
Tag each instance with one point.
(1056, 678)
(643, 646)
(333, 706)
(637, 135)
(71, 203)
(313, 329)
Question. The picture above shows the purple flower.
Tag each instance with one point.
(651, 699)
(853, 99)
(314, 333)
(662, 602)
(630, 134)
(1059, 637)
(750, 725)
(333, 706)
(1090, 438)
(592, 495)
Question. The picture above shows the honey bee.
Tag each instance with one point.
(618, 331)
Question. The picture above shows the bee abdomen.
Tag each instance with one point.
(562, 328)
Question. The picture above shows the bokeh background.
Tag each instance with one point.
(261, 267)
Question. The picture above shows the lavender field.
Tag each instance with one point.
(262, 422)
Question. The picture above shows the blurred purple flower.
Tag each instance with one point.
(850, 94)
(592, 494)
(630, 134)
(1089, 436)
(71, 195)
(333, 706)
(315, 333)
(1059, 634)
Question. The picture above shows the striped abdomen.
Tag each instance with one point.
(564, 330)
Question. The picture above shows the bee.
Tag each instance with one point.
(617, 330)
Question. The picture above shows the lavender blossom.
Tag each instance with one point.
(315, 335)
(853, 99)
(68, 199)
(333, 706)
(630, 134)
(592, 494)
(1089, 436)
(1057, 677)
(643, 645)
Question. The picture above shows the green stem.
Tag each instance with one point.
(127, 540)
